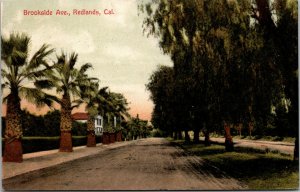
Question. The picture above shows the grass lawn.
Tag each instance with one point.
(257, 169)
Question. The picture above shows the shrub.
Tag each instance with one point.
(35, 144)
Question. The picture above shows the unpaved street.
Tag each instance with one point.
(149, 164)
(283, 147)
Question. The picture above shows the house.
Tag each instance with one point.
(83, 117)
(98, 125)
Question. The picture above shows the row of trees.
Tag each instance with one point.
(49, 125)
(35, 78)
(235, 62)
(136, 128)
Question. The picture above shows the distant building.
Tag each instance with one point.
(83, 117)
(98, 125)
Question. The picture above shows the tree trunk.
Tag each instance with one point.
(179, 135)
(265, 17)
(105, 138)
(13, 151)
(175, 136)
(206, 140)
(240, 127)
(228, 138)
(91, 137)
(112, 137)
(66, 125)
(296, 149)
(250, 127)
(196, 136)
(187, 136)
(119, 136)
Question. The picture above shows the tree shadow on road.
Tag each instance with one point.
(271, 171)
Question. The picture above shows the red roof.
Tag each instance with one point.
(80, 116)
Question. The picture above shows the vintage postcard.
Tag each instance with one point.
(149, 95)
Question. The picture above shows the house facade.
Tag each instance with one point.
(83, 117)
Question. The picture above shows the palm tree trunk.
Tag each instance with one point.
(91, 137)
(13, 151)
(105, 139)
(66, 125)
(228, 138)
(119, 136)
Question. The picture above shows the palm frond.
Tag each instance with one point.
(37, 96)
(4, 73)
(85, 67)
(5, 85)
(45, 84)
(73, 60)
(92, 110)
(14, 50)
(74, 90)
(61, 59)
(37, 74)
(39, 58)
(4, 99)
(76, 103)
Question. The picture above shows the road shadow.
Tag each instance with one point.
(243, 164)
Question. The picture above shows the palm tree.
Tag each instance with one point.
(67, 80)
(112, 104)
(90, 97)
(103, 101)
(120, 104)
(18, 72)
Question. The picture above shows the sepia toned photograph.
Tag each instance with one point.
(159, 95)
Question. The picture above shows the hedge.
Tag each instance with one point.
(35, 144)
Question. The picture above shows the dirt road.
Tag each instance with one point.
(283, 147)
(149, 164)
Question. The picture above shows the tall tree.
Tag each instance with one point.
(67, 80)
(89, 95)
(17, 70)
(232, 68)
(161, 87)
(110, 105)
(280, 32)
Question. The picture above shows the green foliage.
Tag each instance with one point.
(46, 126)
(157, 133)
(161, 87)
(66, 79)
(18, 68)
(79, 128)
(137, 128)
(52, 122)
(233, 62)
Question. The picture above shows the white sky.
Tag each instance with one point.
(123, 58)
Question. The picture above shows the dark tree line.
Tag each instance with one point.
(234, 65)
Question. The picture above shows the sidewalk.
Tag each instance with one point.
(44, 159)
(282, 147)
